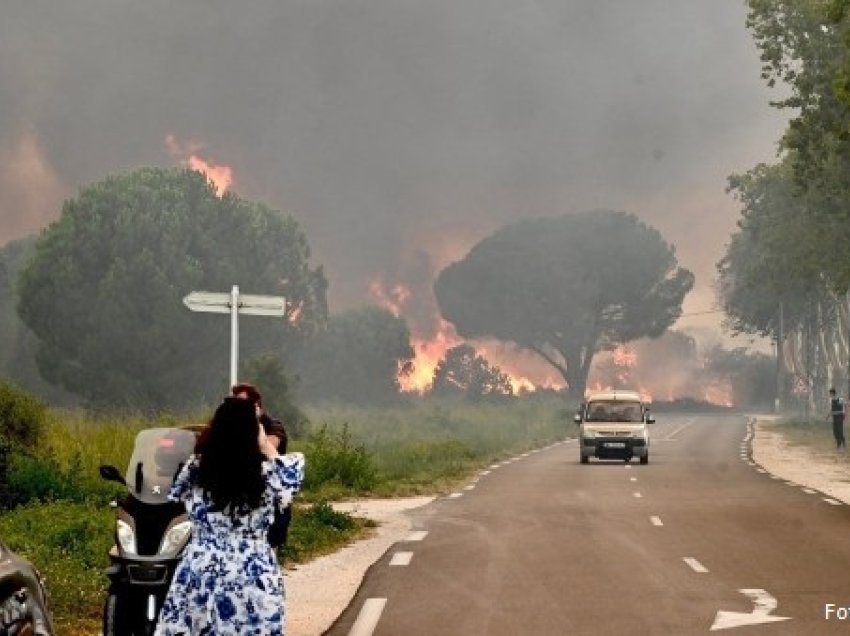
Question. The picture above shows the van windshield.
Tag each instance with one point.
(614, 411)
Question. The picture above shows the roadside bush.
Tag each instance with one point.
(42, 478)
(22, 418)
(336, 462)
(319, 529)
(22, 422)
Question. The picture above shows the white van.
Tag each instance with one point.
(613, 425)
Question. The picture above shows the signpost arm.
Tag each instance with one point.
(235, 304)
(234, 333)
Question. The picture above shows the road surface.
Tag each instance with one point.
(699, 540)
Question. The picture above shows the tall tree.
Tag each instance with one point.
(357, 359)
(773, 262)
(103, 290)
(18, 343)
(566, 287)
(463, 372)
(805, 45)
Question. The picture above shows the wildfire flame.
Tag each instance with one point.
(431, 350)
(719, 393)
(186, 153)
(428, 354)
(393, 299)
(623, 356)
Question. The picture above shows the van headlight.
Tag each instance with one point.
(126, 537)
(175, 539)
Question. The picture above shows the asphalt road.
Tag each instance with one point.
(698, 539)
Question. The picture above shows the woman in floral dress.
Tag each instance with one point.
(229, 580)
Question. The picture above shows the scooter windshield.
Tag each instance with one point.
(158, 455)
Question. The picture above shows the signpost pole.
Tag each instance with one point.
(234, 333)
(234, 304)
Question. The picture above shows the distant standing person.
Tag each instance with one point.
(836, 412)
(279, 531)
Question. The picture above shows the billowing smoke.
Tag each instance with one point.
(399, 134)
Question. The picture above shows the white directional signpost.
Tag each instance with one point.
(234, 304)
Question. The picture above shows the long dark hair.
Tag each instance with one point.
(229, 469)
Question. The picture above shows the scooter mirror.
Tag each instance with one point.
(110, 473)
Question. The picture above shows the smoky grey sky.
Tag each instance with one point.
(397, 132)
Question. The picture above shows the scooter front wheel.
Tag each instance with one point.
(116, 616)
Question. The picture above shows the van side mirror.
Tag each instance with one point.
(650, 419)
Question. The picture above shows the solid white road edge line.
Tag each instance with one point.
(831, 502)
(367, 619)
(695, 565)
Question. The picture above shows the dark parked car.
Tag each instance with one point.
(23, 600)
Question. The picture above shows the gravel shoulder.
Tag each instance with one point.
(319, 591)
(828, 472)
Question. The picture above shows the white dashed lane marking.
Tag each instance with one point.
(367, 619)
(656, 521)
(417, 535)
(695, 565)
(401, 558)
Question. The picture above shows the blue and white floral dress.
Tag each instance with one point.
(229, 580)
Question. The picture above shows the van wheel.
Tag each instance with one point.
(584, 459)
(645, 459)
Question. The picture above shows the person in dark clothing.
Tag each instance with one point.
(836, 412)
(276, 432)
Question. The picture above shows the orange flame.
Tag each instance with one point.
(624, 356)
(221, 176)
(430, 351)
(719, 393)
(428, 354)
(392, 300)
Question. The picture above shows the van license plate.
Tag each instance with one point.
(615, 445)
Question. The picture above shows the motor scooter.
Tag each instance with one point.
(151, 532)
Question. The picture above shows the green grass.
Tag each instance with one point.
(68, 542)
(816, 434)
(431, 446)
